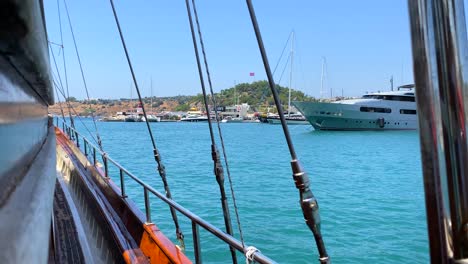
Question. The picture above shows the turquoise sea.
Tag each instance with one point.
(368, 184)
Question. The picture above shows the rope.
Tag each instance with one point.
(61, 84)
(82, 75)
(250, 253)
(218, 125)
(63, 59)
(157, 156)
(309, 204)
(282, 52)
(60, 105)
(218, 168)
(74, 111)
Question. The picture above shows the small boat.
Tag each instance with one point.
(194, 118)
(153, 118)
(291, 119)
(230, 119)
(133, 118)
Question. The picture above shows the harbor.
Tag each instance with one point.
(382, 165)
(212, 156)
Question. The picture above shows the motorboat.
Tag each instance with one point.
(291, 119)
(194, 118)
(392, 110)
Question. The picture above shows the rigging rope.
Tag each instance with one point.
(309, 203)
(74, 111)
(157, 156)
(218, 168)
(63, 59)
(60, 104)
(82, 74)
(215, 105)
(66, 98)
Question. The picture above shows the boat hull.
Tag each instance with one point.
(277, 121)
(335, 116)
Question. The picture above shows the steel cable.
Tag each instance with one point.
(215, 105)
(309, 204)
(157, 156)
(218, 168)
(82, 74)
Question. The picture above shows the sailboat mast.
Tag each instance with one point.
(151, 89)
(291, 73)
(321, 78)
(235, 94)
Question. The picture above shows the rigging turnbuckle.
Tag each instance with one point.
(310, 208)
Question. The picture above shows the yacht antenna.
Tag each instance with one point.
(391, 83)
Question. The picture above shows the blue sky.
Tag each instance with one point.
(364, 42)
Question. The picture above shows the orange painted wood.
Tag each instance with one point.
(153, 244)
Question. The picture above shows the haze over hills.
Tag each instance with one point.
(256, 94)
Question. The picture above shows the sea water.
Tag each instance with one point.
(368, 185)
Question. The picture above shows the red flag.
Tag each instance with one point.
(252, 74)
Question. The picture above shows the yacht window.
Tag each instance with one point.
(391, 97)
(375, 109)
(408, 111)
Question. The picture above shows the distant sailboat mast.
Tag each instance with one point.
(321, 78)
(151, 89)
(291, 73)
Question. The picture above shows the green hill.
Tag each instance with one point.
(256, 94)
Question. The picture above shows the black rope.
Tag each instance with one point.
(157, 156)
(83, 76)
(213, 97)
(218, 168)
(308, 202)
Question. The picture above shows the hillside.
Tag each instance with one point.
(256, 94)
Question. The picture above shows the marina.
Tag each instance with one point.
(378, 173)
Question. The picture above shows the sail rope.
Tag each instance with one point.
(157, 156)
(60, 105)
(215, 105)
(99, 141)
(218, 167)
(309, 204)
(62, 92)
(249, 254)
(66, 96)
(62, 49)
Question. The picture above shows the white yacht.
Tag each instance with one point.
(194, 118)
(395, 110)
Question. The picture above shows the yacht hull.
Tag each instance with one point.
(277, 121)
(336, 116)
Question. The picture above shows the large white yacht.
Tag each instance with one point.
(395, 110)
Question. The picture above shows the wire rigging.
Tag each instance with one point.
(215, 105)
(62, 92)
(65, 97)
(62, 48)
(82, 75)
(309, 204)
(218, 168)
(157, 156)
